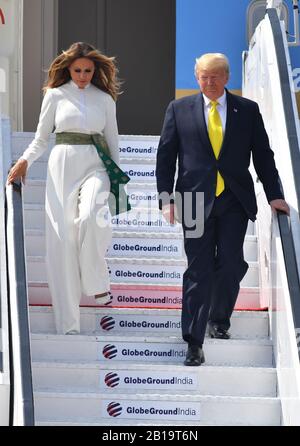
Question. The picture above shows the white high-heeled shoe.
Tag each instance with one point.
(73, 332)
(103, 298)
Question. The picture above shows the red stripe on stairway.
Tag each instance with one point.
(149, 296)
(2, 18)
(151, 308)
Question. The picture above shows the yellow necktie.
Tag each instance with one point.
(215, 133)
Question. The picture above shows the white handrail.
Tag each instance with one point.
(23, 407)
(277, 4)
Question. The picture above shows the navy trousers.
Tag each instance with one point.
(215, 268)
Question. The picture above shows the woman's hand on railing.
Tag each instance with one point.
(280, 205)
(17, 171)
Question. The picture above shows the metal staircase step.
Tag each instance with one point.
(140, 194)
(150, 378)
(97, 407)
(244, 324)
(160, 349)
(137, 220)
(146, 271)
(141, 296)
(137, 245)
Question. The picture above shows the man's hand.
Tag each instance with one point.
(18, 171)
(280, 205)
(168, 211)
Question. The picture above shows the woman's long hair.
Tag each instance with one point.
(105, 75)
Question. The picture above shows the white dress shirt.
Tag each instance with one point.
(71, 109)
(222, 109)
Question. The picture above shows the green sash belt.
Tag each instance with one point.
(118, 200)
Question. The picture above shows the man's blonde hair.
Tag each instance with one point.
(212, 61)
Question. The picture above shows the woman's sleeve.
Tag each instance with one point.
(111, 130)
(44, 129)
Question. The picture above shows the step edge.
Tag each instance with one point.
(140, 311)
(157, 396)
(139, 338)
(95, 365)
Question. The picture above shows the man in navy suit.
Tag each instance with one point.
(211, 136)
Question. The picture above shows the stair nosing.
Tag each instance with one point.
(241, 314)
(161, 397)
(133, 285)
(132, 260)
(121, 365)
(131, 234)
(159, 339)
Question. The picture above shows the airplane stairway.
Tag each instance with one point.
(126, 366)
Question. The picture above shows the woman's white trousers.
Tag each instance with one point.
(78, 230)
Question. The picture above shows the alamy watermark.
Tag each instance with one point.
(188, 211)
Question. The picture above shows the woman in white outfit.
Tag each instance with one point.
(79, 101)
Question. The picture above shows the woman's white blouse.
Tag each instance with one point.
(71, 109)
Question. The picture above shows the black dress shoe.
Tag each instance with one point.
(194, 356)
(219, 333)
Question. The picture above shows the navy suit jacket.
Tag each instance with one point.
(185, 138)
